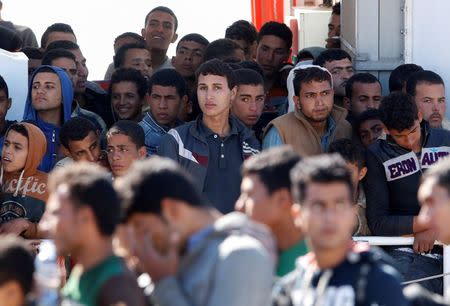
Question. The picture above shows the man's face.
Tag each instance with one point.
(14, 152)
(369, 131)
(5, 104)
(189, 56)
(430, 100)
(82, 71)
(315, 100)
(165, 104)
(257, 203)
(139, 59)
(249, 103)
(69, 66)
(408, 138)
(365, 96)
(87, 149)
(122, 152)
(46, 92)
(56, 36)
(341, 71)
(435, 210)
(159, 32)
(214, 96)
(152, 226)
(327, 215)
(334, 31)
(270, 54)
(125, 101)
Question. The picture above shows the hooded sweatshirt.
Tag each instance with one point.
(225, 264)
(51, 131)
(25, 193)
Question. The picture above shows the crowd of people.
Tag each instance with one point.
(232, 173)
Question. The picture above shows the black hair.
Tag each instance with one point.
(16, 262)
(33, 53)
(56, 27)
(119, 58)
(89, 185)
(195, 37)
(129, 75)
(62, 44)
(252, 65)
(128, 128)
(216, 67)
(272, 167)
(309, 74)
(169, 77)
(439, 173)
(222, 49)
(151, 181)
(245, 76)
(331, 55)
(4, 86)
(277, 29)
(420, 77)
(326, 168)
(165, 10)
(75, 129)
(350, 151)
(53, 54)
(336, 10)
(242, 30)
(370, 114)
(400, 75)
(304, 55)
(10, 39)
(133, 35)
(364, 78)
(19, 128)
(398, 111)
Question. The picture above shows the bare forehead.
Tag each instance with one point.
(64, 62)
(161, 17)
(124, 86)
(342, 63)
(211, 78)
(137, 52)
(46, 77)
(273, 42)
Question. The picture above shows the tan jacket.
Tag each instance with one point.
(295, 130)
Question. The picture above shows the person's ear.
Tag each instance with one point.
(385, 129)
(169, 209)
(420, 116)
(233, 93)
(296, 100)
(362, 173)
(65, 151)
(174, 38)
(347, 103)
(143, 32)
(9, 103)
(296, 213)
(142, 152)
(283, 198)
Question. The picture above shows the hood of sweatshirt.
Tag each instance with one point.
(30, 112)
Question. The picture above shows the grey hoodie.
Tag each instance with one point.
(232, 265)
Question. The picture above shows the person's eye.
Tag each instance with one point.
(216, 87)
(245, 100)
(202, 88)
(325, 93)
(35, 86)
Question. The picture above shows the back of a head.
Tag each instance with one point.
(9, 40)
(253, 66)
(33, 53)
(322, 169)
(398, 111)
(336, 10)
(350, 151)
(129, 75)
(422, 77)
(4, 87)
(277, 29)
(331, 55)
(75, 129)
(138, 38)
(216, 67)
(222, 49)
(400, 75)
(54, 54)
(242, 30)
(89, 185)
(119, 58)
(364, 78)
(272, 167)
(56, 27)
(245, 76)
(128, 128)
(16, 262)
(195, 37)
(62, 44)
(152, 180)
(163, 9)
(309, 74)
(169, 77)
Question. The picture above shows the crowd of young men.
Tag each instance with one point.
(225, 175)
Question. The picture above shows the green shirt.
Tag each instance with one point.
(287, 258)
(83, 288)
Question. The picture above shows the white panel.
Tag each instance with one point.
(312, 27)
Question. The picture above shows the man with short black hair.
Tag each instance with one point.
(266, 198)
(334, 28)
(316, 121)
(395, 166)
(82, 197)
(336, 272)
(213, 147)
(367, 127)
(135, 56)
(159, 32)
(399, 76)
(245, 34)
(167, 100)
(428, 90)
(339, 63)
(56, 32)
(202, 258)
(224, 49)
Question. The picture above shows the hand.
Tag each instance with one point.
(16, 227)
(424, 241)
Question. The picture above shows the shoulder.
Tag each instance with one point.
(121, 288)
